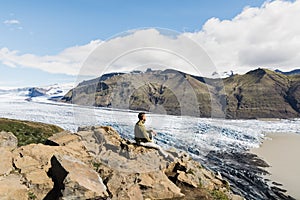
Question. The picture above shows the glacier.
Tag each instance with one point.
(205, 133)
(219, 144)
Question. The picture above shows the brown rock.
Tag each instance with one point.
(65, 169)
(62, 139)
(127, 168)
(5, 161)
(135, 193)
(11, 188)
(26, 163)
(81, 181)
(217, 182)
(8, 140)
(106, 146)
(161, 187)
(33, 161)
(187, 179)
(153, 185)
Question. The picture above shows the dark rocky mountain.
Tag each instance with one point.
(36, 92)
(293, 72)
(260, 93)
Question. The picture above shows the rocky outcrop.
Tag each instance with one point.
(8, 140)
(136, 172)
(129, 171)
(260, 93)
(96, 163)
(165, 92)
(74, 179)
(6, 161)
(36, 92)
(43, 166)
(11, 187)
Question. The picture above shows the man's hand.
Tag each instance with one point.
(153, 132)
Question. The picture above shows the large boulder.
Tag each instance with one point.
(11, 187)
(106, 146)
(62, 139)
(5, 161)
(96, 163)
(34, 161)
(155, 185)
(8, 140)
(136, 172)
(74, 179)
(188, 172)
(131, 171)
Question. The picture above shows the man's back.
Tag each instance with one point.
(140, 132)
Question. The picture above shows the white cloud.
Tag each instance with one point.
(68, 61)
(268, 36)
(11, 21)
(148, 48)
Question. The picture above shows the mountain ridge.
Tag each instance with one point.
(259, 93)
(292, 72)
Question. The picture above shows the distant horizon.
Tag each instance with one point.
(79, 80)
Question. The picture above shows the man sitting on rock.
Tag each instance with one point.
(144, 137)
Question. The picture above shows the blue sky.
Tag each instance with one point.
(51, 26)
(42, 28)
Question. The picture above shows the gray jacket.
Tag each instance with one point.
(140, 132)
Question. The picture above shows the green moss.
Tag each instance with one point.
(31, 196)
(190, 171)
(219, 195)
(200, 185)
(28, 132)
(227, 185)
(96, 165)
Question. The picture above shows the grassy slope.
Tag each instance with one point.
(28, 132)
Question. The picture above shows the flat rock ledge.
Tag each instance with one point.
(96, 163)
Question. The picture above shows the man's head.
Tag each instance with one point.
(142, 116)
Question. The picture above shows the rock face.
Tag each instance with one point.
(96, 163)
(165, 92)
(36, 92)
(262, 93)
(8, 140)
(5, 161)
(135, 172)
(259, 93)
(75, 179)
(52, 172)
(11, 187)
(126, 168)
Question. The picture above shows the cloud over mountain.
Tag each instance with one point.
(67, 62)
(266, 36)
